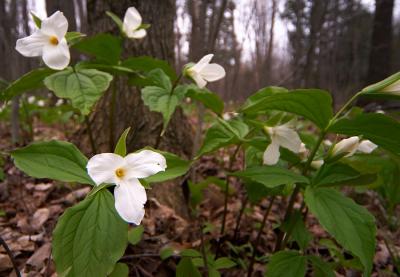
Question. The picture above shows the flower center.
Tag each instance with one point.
(53, 40)
(120, 172)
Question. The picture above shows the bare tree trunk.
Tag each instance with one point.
(129, 108)
(381, 51)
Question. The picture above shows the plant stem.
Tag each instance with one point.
(239, 218)
(10, 254)
(226, 194)
(289, 209)
(90, 133)
(202, 248)
(112, 115)
(258, 239)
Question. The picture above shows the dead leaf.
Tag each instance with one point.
(38, 259)
(39, 218)
(5, 262)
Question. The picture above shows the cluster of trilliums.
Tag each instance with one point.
(49, 42)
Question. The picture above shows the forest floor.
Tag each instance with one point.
(29, 209)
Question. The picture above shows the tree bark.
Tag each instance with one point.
(129, 108)
(381, 43)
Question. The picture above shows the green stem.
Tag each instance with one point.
(112, 115)
(258, 239)
(90, 133)
(226, 194)
(293, 197)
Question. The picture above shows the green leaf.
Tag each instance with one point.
(209, 99)
(320, 267)
(120, 270)
(190, 253)
(57, 160)
(105, 47)
(147, 64)
(295, 225)
(313, 104)
(160, 99)
(350, 224)
(160, 79)
(224, 262)
(186, 268)
(378, 128)
(30, 81)
(90, 237)
(175, 167)
(116, 19)
(135, 234)
(271, 176)
(341, 174)
(286, 263)
(120, 148)
(83, 86)
(166, 252)
(263, 93)
(220, 135)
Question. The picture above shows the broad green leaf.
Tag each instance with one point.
(190, 253)
(160, 100)
(224, 262)
(313, 104)
(341, 174)
(263, 93)
(175, 167)
(350, 224)
(30, 81)
(57, 160)
(90, 237)
(299, 233)
(112, 69)
(320, 267)
(256, 191)
(209, 99)
(135, 234)
(120, 270)
(286, 263)
(186, 268)
(378, 128)
(147, 64)
(220, 135)
(82, 86)
(120, 148)
(105, 47)
(160, 79)
(271, 176)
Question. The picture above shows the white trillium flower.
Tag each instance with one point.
(204, 71)
(346, 146)
(366, 146)
(132, 23)
(48, 42)
(281, 136)
(124, 172)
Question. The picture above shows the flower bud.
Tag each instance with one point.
(346, 147)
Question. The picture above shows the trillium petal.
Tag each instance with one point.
(130, 198)
(200, 82)
(55, 25)
(348, 146)
(199, 66)
(213, 72)
(141, 33)
(56, 56)
(132, 21)
(32, 46)
(367, 146)
(287, 138)
(101, 168)
(144, 164)
(271, 154)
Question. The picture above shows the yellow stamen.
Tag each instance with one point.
(53, 40)
(120, 172)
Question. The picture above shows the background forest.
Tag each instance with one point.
(338, 45)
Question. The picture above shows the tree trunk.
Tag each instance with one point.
(129, 108)
(380, 54)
